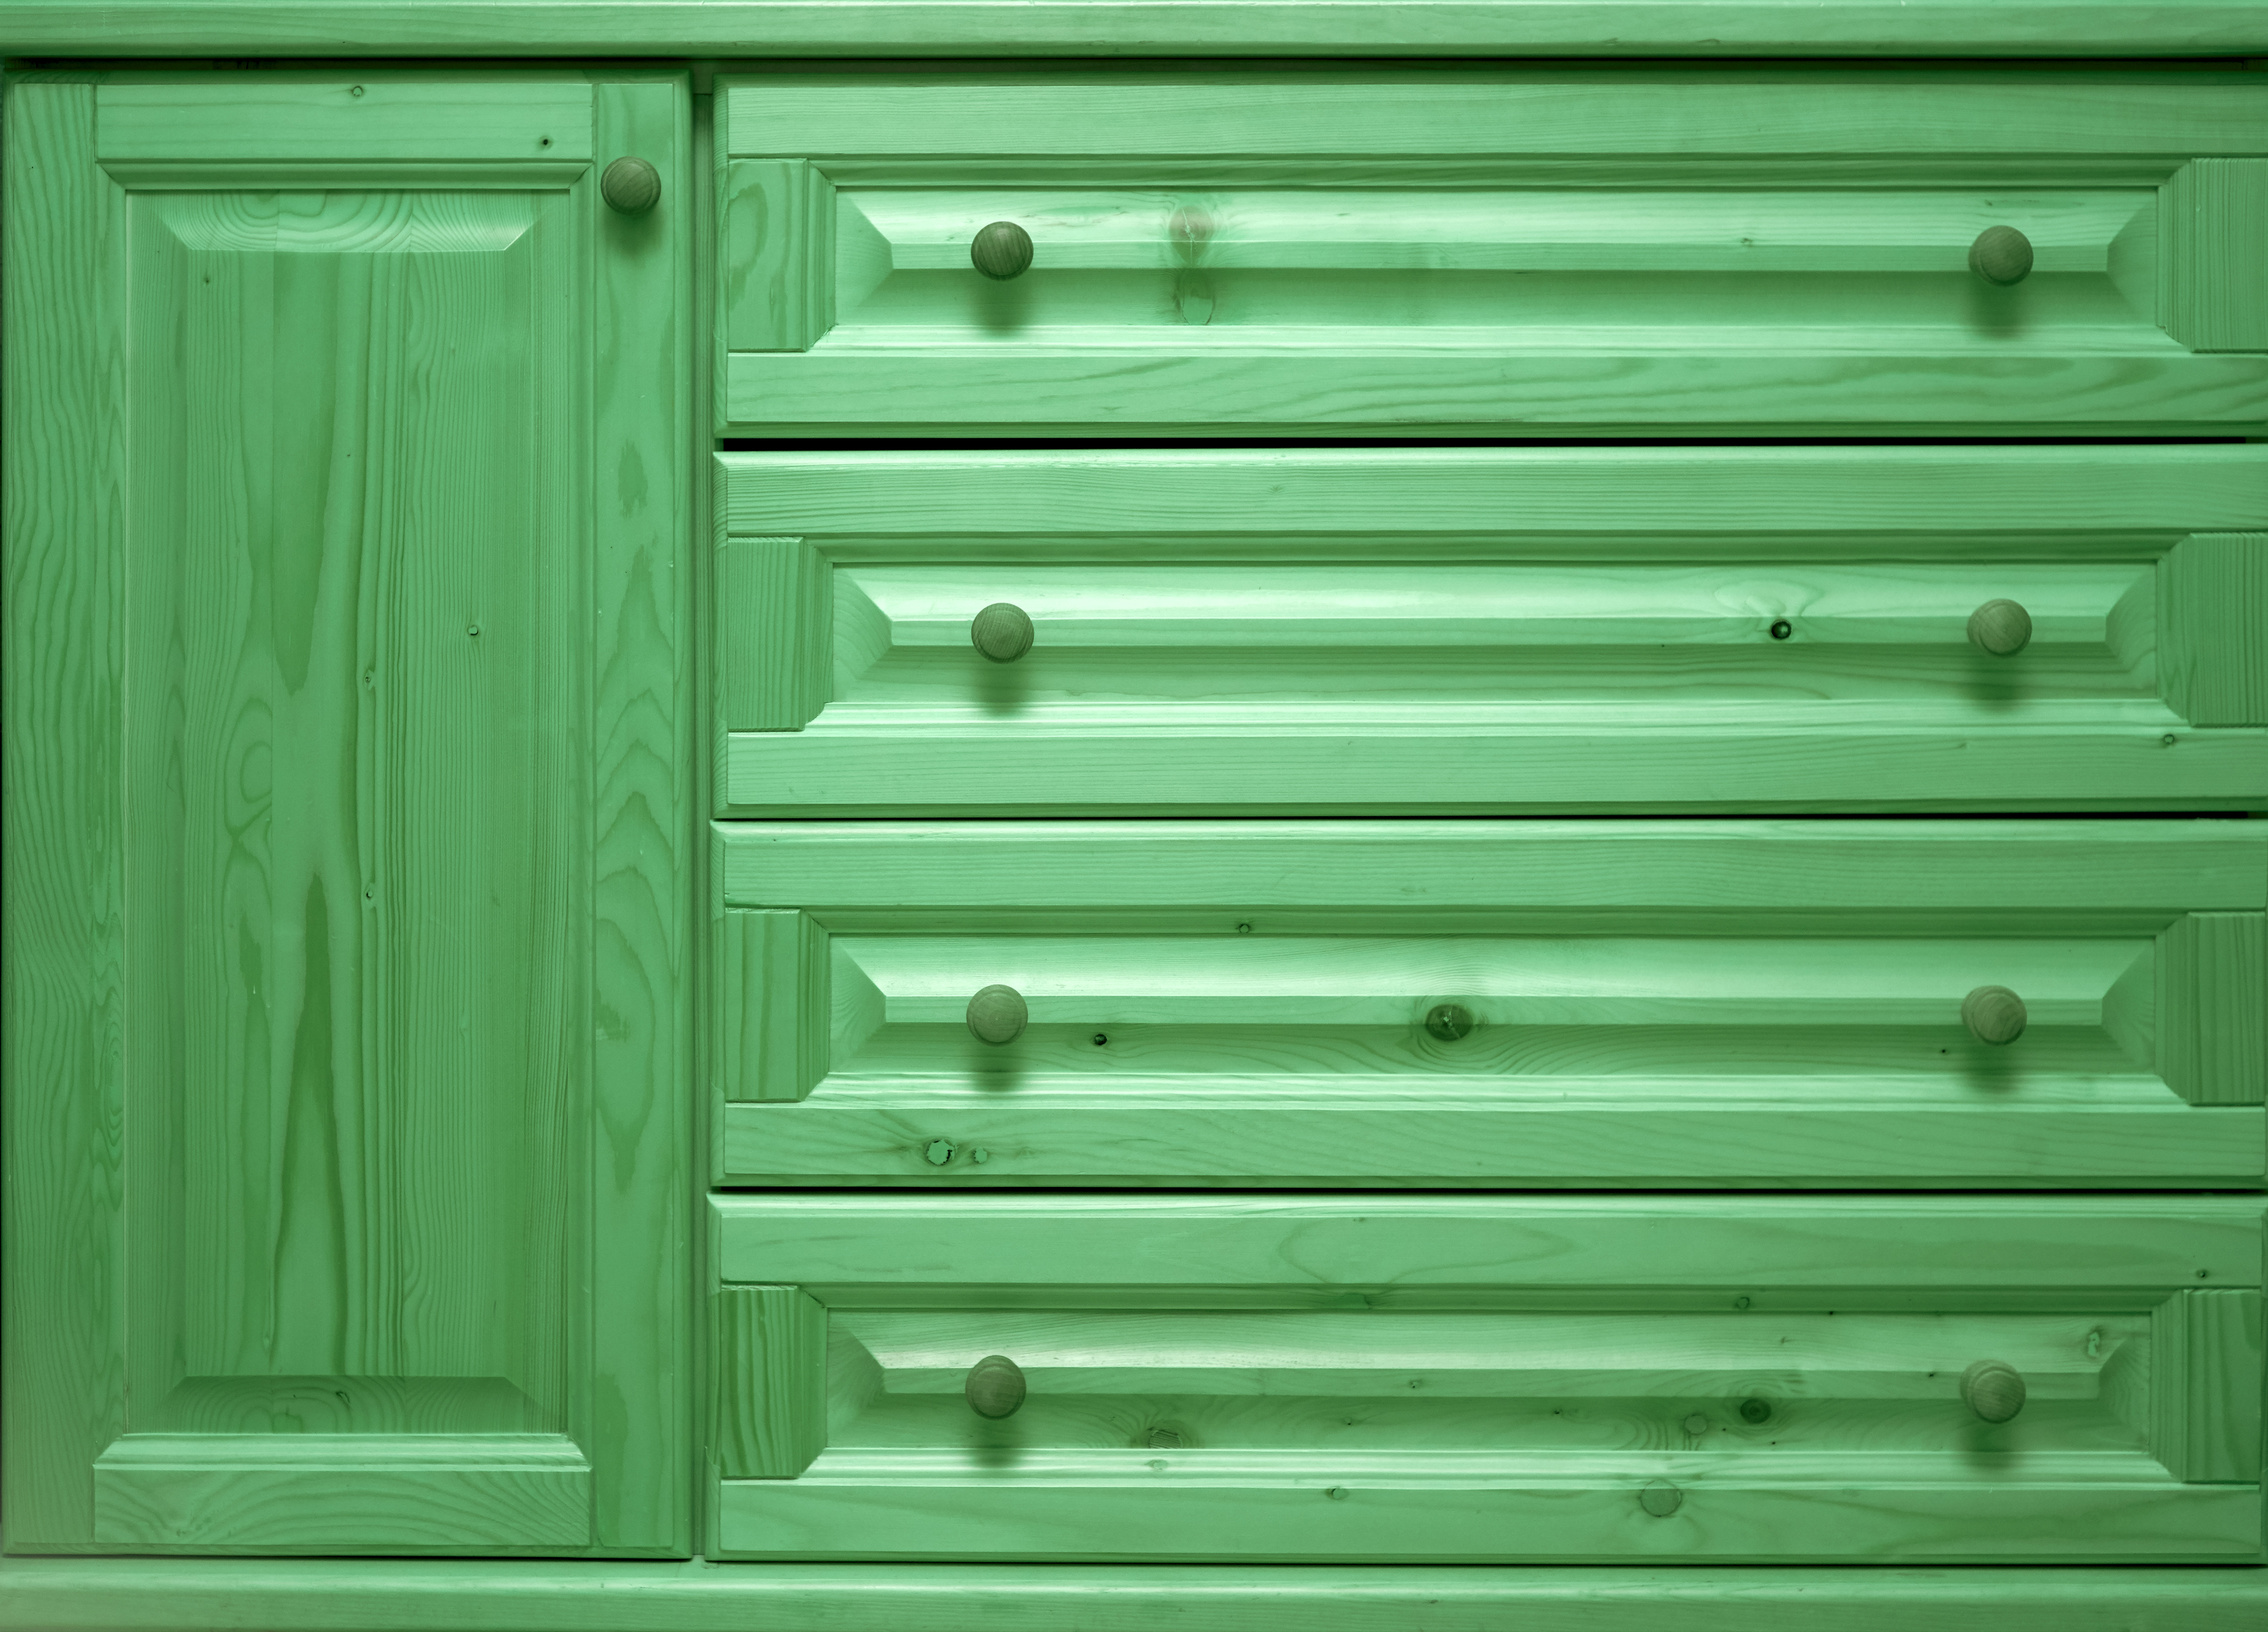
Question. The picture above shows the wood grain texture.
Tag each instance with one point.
(2212, 605)
(1907, 503)
(1796, 1052)
(1431, 870)
(410, 1595)
(1110, 28)
(1234, 1379)
(643, 734)
(775, 617)
(346, 118)
(62, 827)
(905, 1508)
(1479, 630)
(2213, 291)
(2212, 1005)
(411, 1491)
(775, 255)
(772, 1003)
(963, 769)
(1401, 252)
(1312, 1251)
(1108, 112)
(770, 1377)
(405, 1123)
(1054, 28)
(1243, 1140)
(1208, 387)
(2206, 1395)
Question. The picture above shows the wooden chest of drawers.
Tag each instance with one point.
(1073, 843)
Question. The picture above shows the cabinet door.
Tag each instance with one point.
(345, 837)
(1845, 1380)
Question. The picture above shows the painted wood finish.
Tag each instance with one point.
(1492, 630)
(1117, 28)
(1501, 1379)
(1593, 251)
(1643, 1004)
(412, 1595)
(345, 822)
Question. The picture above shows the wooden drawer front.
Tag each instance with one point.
(1493, 630)
(1474, 1003)
(1491, 1379)
(1457, 250)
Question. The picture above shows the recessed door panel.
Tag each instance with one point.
(366, 1278)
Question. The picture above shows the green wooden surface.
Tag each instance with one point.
(2212, 605)
(1585, 251)
(1816, 110)
(2206, 1397)
(775, 255)
(1677, 1049)
(775, 615)
(347, 1149)
(411, 1595)
(1500, 1379)
(770, 1375)
(1436, 873)
(316, 118)
(771, 1004)
(1305, 631)
(2215, 294)
(1131, 504)
(1413, 1252)
(2211, 1021)
(826, 28)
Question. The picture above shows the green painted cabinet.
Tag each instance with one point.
(1419, 1004)
(1578, 251)
(866, 843)
(1303, 632)
(1845, 1380)
(347, 1014)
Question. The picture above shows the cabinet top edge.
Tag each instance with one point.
(1119, 28)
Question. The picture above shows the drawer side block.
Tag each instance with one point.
(2213, 628)
(2214, 295)
(2206, 1427)
(2212, 999)
(770, 1416)
(776, 223)
(772, 1014)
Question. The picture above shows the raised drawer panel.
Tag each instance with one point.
(1493, 631)
(1422, 1004)
(1456, 250)
(1538, 1380)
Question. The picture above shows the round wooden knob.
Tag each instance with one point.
(1003, 250)
(1994, 1015)
(995, 1387)
(2001, 255)
(1993, 1389)
(998, 1015)
(2002, 628)
(1002, 631)
(630, 186)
